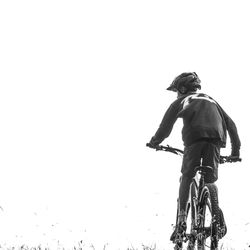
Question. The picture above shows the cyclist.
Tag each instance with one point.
(204, 133)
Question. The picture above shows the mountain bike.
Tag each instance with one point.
(205, 220)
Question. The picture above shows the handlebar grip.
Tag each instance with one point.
(224, 159)
(236, 159)
(158, 147)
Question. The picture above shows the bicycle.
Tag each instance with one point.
(205, 221)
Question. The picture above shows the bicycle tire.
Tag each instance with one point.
(208, 217)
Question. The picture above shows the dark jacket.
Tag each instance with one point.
(203, 118)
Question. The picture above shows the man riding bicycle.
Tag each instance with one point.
(204, 133)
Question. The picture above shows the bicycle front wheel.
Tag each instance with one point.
(208, 218)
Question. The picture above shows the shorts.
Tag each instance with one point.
(201, 153)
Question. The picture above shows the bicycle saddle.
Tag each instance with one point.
(204, 169)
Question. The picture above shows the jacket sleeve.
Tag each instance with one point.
(233, 133)
(167, 123)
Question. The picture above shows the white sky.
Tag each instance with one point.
(82, 91)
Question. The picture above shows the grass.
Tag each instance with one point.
(82, 246)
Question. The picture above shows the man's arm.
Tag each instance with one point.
(233, 133)
(167, 124)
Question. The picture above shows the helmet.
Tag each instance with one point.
(189, 80)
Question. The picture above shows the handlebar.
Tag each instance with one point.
(167, 149)
(223, 159)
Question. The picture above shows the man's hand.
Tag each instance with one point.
(235, 152)
(224, 159)
(151, 145)
(234, 158)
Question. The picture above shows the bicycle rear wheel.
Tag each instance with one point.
(208, 218)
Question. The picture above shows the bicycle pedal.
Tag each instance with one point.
(178, 246)
(179, 240)
(207, 232)
(222, 232)
(179, 233)
(191, 247)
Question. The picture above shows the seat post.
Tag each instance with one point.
(202, 170)
(201, 182)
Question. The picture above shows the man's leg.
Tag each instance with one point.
(181, 226)
(191, 159)
(183, 198)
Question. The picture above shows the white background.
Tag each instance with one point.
(82, 89)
